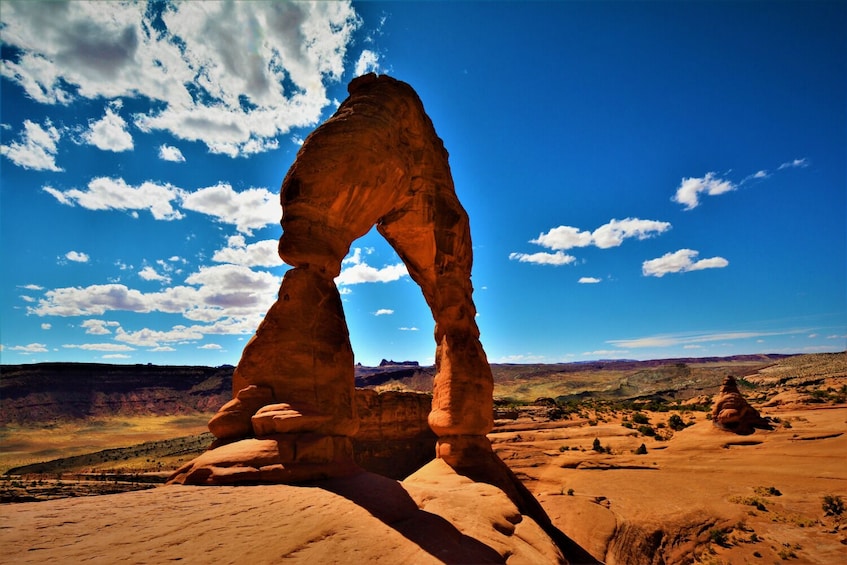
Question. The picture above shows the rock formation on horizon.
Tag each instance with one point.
(733, 413)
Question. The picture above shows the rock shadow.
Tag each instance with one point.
(388, 501)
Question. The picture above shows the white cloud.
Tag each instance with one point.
(588, 280)
(795, 164)
(209, 346)
(681, 261)
(611, 234)
(148, 273)
(689, 189)
(116, 356)
(105, 193)
(564, 237)
(171, 153)
(31, 348)
(408, 329)
(77, 256)
(383, 312)
(247, 210)
(543, 258)
(260, 254)
(37, 148)
(109, 133)
(694, 338)
(32, 287)
(98, 327)
(368, 63)
(358, 271)
(153, 338)
(100, 347)
(163, 348)
(260, 68)
(46, 326)
(26, 298)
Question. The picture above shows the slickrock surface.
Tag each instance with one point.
(435, 516)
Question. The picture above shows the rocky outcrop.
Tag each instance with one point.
(732, 412)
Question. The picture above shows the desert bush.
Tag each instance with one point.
(640, 418)
(675, 423)
(570, 492)
(767, 491)
(719, 536)
(750, 501)
(596, 446)
(642, 450)
(646, 430)
(832, 505)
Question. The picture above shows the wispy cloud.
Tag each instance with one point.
(688, 339)
(100, 347)
(681, 261)
(796, 163)
(383, 312)
(689, 190)
(37, 148)
(171, 153)
(589, 280)
(30, 348)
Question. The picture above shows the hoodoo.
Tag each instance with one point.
(732, 412)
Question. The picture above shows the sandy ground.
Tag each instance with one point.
(702, 496)
(628, 508)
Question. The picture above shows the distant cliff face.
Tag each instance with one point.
(53, 392)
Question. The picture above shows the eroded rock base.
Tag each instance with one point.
(276, 459)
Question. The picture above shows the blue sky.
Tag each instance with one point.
(644, 180)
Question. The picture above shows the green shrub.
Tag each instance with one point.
(640, 418)
(646, 430)
(596, 445)
(718, 536)
(642, 450)
(675, 423)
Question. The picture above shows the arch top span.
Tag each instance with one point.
(376, 162)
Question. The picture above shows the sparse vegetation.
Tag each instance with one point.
(642, 450)
(675, 423)
(833, 506)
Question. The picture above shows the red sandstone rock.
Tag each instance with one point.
(234, 418)
(732, 411)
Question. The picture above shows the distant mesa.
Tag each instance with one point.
(389, 363)
(733, 413)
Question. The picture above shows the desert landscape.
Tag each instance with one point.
(623, 456)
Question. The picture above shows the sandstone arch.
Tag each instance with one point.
(376, 161)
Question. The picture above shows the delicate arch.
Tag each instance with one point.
(376, 161)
